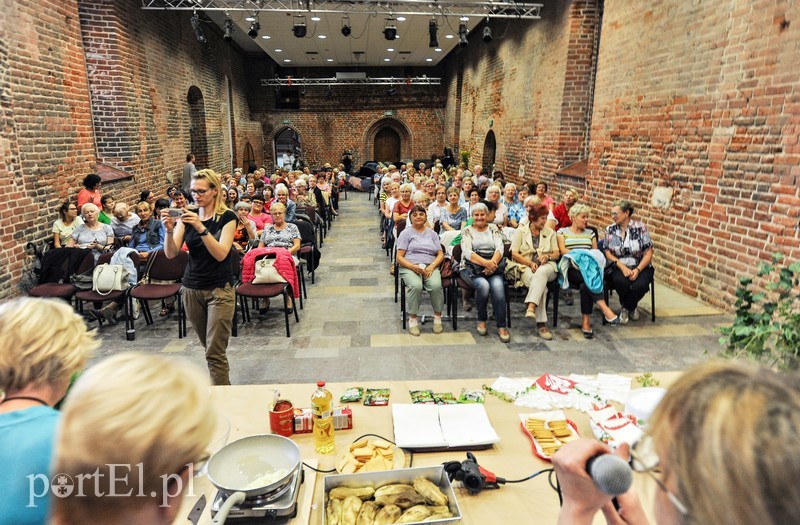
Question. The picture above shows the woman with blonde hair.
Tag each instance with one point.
(208, 293)
(722, 447)
(44, 344)
(132, 423)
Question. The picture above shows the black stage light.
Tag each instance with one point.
(346, 29)
(390, 29)
(228, 36)
(462, 35)
(198, 30)
(255, 27)
(487, 34)
(299, 27)
(432, 29)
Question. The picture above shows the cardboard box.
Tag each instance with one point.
(342, 419)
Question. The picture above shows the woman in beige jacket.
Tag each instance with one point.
(534, 251)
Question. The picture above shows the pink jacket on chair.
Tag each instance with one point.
(284, 263)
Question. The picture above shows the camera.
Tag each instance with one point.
(175, 212)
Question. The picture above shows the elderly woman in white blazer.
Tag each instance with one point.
(534, 250)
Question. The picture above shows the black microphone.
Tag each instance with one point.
(610, 473)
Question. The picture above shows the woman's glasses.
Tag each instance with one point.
(644, 459)
(198, 192)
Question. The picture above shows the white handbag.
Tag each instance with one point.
(266, 273)
(107, 278)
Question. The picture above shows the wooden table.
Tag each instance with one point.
(532, 501)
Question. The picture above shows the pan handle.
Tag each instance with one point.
(234, 499)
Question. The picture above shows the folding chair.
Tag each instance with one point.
(159, 268)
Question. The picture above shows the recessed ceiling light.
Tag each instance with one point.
(278, 50)
(266, 37)
(390, 49)
(449, 36)
(286, 60)
(387, 59)
(315, 18)
(329, 60)
(428, 60)
(401, 19)
(321, 36)
(438, 49)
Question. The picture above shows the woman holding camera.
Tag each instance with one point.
(208, 293)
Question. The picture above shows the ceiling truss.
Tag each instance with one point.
(486, 8)
(375, 81)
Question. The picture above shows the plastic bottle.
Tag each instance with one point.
(322, 413)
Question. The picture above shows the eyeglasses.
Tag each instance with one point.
(199, 192)
(644, 459)
(614, 214)
(73, 208)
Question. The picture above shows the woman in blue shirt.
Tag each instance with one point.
(44, 343)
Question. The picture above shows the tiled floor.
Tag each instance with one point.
(351, 330)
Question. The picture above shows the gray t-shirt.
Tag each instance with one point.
(123, 228)
(84, 236)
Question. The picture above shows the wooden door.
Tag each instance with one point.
(387, 146)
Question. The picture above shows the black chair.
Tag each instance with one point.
(91, 296)
(56, 282)
(266, 291)
(400, 227)
(552, 293)
(607, 289)
(308, 246)
(460, 284)
(159, 268)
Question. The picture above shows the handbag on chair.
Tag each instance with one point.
(107, 278)
(266, 273)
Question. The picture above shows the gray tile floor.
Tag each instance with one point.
(351, 330)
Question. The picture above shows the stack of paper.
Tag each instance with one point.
(442, 426)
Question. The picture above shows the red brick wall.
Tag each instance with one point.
(530, 86)
(134, 68)
(713, 115)
(46, 132)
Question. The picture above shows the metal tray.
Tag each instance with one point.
(378, 479)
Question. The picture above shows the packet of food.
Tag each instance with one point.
(445, 398)
(422, 396)
(469, 395)
(352, 395)
(376, 397)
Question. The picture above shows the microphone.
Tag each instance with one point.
(610, 473)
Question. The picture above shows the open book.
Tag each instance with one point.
(440, 427)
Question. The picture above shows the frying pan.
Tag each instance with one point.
(242, 462)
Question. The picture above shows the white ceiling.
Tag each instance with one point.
(365, 47)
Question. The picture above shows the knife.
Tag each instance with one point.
(197, 510)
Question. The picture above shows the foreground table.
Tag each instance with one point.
(532, 501)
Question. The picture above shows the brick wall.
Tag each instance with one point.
(134, 68)
(702, 99)
(330, 121)
(46, 132)
(529, 86)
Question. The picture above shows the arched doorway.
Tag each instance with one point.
(197, 127)
(489, 147)
(387, 146)
(287, 140)
(249, 160)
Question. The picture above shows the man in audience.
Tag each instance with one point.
(189, 169)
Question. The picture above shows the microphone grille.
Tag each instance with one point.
(611, 474)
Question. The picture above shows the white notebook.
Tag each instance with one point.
(442, 426)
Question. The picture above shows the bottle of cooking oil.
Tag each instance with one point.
(322, 414)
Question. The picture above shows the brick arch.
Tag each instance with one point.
(273, 145)
(388, 122)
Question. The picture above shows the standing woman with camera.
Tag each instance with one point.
(208, 293)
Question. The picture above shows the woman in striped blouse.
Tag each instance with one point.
(576, 236)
